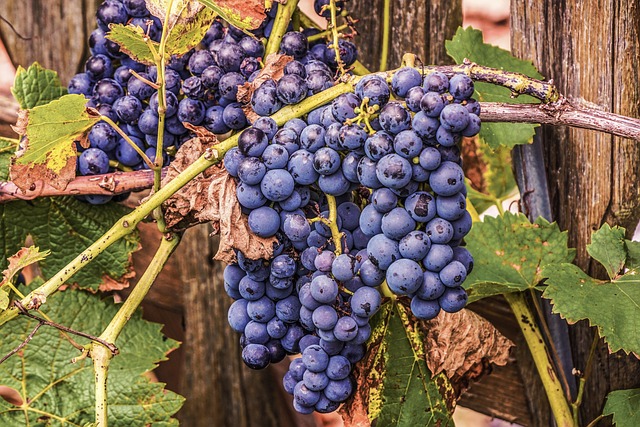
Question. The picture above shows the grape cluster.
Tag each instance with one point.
(202, 86)
(391, 172)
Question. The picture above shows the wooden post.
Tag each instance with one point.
(592, 52)
(220, 389)
(417, 26)
(53, 33)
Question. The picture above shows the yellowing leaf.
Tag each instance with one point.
(187, 34)
(50, 133)
(130, 38)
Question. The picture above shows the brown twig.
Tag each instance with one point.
(110, 184)
(562, 113)
(23, 343)
(23, 311)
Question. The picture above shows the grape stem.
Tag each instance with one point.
(126, 137)
(333, 26)
(539, 352)
(99, 353)
(336, 236)
(358, 67)
(161, 60)
(326, 33)
(283, 17)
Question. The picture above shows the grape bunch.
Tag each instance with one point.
(365, 193)
(202, 86)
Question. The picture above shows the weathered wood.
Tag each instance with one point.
(220, 389)
(417, 26)
(56, 30)
(591, 50)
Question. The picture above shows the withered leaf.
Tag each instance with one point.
(211, 197)
(273, 70)
(243, 14)
(463, 345)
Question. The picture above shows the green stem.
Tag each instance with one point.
(117, 165)
(386, 291)
(295, 20)
(333, 26)
(595, 421)
(167, 246)
(101, 360)
(583, 379)
(386, 34)
(129, 141)
(333, 224)
(326, 33)
(359, 69)
(546, 371)
(283, 17)
(472, 211)
(100, 355)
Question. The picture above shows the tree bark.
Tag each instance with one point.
(591, 50)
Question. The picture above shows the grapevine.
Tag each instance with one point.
(354, 179)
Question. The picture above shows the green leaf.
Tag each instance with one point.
(499, 181)
(624, 405)
(66, 227)
(23, 258)
(614, 307)
(399, 389)
(62, 391)
(130, 38)
(467, 43)
(243, 14)
(8, 147)
(36, 86)
(4, 299)
(633, 254)
(608, 248)
(509, 253)
(187, 35)
(507, 134)
(52, 130)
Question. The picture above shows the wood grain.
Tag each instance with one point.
(417, 26)
(591, 50)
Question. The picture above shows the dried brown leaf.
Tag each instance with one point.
(211, 197)
(273, 70)
(27, 176)
(11, 395)
(463, 345)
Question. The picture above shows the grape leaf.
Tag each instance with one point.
(611, 306)
(498, 181)
(395, 386)
(23, 258)
(633, 254)
(130, 38)
(62, 392)
(36, 86)
(624, 405)
(608, 248)
(67, 226)
(8, 146)
(4, 299)
(188, 34)
(467, 43)
(510, 252)
(50, 133)
(181, 10)
(243, 14)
